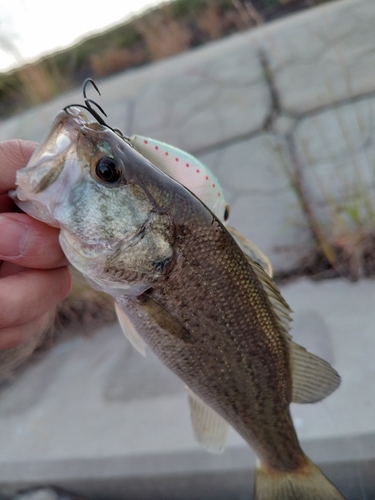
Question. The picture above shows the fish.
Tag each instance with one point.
(187, 288)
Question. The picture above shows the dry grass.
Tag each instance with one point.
(163, 35)
(211, 22)
(162, 32)
(342, 226)
(41, 82)
(114, 60)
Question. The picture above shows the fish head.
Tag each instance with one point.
(107, 199)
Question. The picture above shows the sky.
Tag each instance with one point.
(38, 27)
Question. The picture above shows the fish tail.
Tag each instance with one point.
(306, 483)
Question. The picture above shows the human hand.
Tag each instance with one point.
(34, 276)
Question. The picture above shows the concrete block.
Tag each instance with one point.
(283, 124)
(328, 317)
(336, 151)
(263, 205)
(323, 57)
(206, 105)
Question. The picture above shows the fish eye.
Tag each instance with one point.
(106, 170)
(226, 213)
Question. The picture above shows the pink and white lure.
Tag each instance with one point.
(185, 169)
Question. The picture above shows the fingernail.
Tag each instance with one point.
(13, 237)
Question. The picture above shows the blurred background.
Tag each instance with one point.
(44, 52)
(277, 98)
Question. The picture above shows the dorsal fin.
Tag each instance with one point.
(251, 250)
(313, 379)
(279, 306)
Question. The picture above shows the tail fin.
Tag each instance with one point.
(308, 483)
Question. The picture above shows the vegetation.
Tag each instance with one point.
(340, 214)
(161, 32)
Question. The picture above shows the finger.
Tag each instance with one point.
(13, 155)
(29, 294)
(8, 269)
(16, 335)
(30, 243)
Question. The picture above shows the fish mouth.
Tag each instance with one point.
(87, 258)
(52, 170)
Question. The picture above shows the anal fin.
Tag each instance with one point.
(210, 429)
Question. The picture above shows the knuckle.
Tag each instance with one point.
(25, 301)
(10, 307)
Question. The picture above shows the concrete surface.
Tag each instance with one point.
(43, 494)
(94, 411)
(93, 416)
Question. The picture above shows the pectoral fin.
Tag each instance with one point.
(210, 429)
(250, 250)
(129, 331)
(165, 320)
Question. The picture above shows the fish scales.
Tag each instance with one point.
(238, 362)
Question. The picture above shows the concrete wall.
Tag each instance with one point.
(298, 92)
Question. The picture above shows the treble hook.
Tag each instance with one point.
(87, 106)
(87, 81)
(88, 103)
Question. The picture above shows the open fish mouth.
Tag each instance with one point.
(52, 170)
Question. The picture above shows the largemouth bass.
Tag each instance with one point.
(186, 288)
